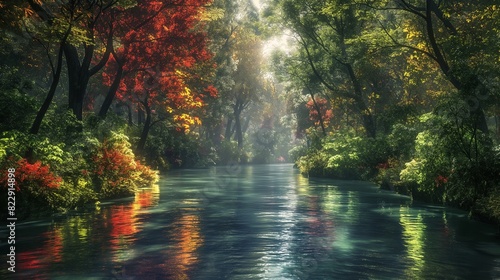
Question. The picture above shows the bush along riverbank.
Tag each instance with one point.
(69, 169)
(429, 160)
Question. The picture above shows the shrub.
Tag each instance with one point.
(116, 172)
(228, 152)
(296, 152)
(35, 186)
(345, 156)
(314, 164)
(452, 162)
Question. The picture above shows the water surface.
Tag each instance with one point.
(257, 222)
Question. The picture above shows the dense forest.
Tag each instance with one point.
(97, 97)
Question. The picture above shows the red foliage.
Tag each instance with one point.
(383, 165)
(113, 165)
(162, 46)
(326, 113)
(212, 91)
(36, 173)
(440, 180)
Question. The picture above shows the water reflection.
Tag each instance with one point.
(182, 255)
(264, 222)
(83, 241)
(413, 237)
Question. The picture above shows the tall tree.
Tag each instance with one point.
(162, 51)
(459, 37)
(248, 81)
(82, 59)
(326, 32)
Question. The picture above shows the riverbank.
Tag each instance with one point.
(422, 165)
(479, 212)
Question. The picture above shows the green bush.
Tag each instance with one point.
(314, 164)
(297, 152)
(49, 161)
(115, 170)
(345, 156)
(228, 152)
(452, 162)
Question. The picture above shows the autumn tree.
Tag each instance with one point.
(160, 61)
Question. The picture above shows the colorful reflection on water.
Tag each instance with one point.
(258, 222)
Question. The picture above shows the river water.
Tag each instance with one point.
(257, 222)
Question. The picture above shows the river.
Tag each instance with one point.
(257, 222)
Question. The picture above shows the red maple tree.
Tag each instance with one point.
(162, 50)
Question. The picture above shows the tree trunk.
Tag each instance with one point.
(229, 126)
(111, 92)
(140, 115)
(145, 129)
(216, 134)
(35, 127)
(78, 78)
(366, 116)
(129, 111)
(239, 133)
(477, 110)
(246, 124)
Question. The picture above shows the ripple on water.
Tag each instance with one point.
(260, 222)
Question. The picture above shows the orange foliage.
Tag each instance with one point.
(37, 174)
(326, 112)
(160, 55)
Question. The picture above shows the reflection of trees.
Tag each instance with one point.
(414, 238)
(49, 252)
(125, 223)
(145, 198)
(107, 230)
(187, 237)
(319, 227)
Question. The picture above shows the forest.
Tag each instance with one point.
(98, 98)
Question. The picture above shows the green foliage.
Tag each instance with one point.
(228, 152)
(264, 145)
(13, 100)
(168, 148)
(104, 128)
(61, 126)
(297, 152)
(85, 171)
(429, 161)
(314, 164)
(489, 205)
(346, 156)
(401, 141)
(115, 170)
(452, 162)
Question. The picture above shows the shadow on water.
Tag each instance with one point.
(258, 222)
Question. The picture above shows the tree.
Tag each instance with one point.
(327, 33)
(162, 51)
(458, 37)
(319, 112)
(221, 31)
